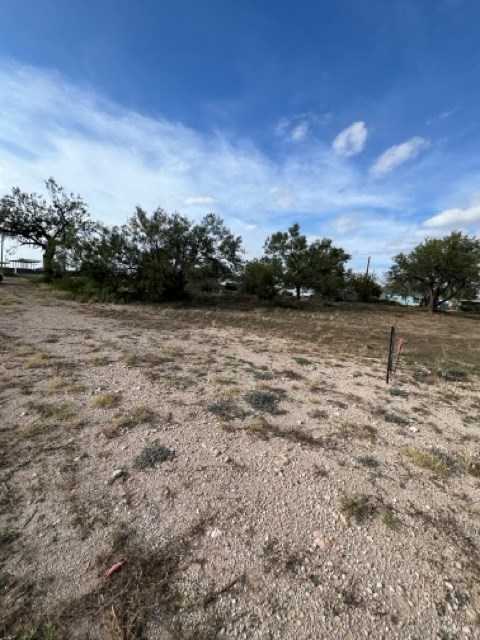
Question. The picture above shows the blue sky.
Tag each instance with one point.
(359, 119)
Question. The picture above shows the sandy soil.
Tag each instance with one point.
(253, 486)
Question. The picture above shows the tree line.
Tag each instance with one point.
(164, 256)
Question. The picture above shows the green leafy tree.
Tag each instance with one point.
(263, 277)
(169, 252)
(327, 268)
(51, 223)
(438, 269)
(156, 257)
(365, 286)
(106, 262)
(319, 265)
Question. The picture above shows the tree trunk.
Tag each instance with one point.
(48, 259)
(298, 291)
(433, 301)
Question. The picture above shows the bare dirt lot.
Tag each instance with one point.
(248, 466)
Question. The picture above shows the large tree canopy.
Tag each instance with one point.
(263, 277)
(48, 223)
(439, 269)
(318, 266)
(155, 256)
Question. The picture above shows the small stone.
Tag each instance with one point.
(413, 429)
(216, 533)
(119, 473)
(321, 541)
(471, 615)
(402, 603)
(466, 631)
(228, 459)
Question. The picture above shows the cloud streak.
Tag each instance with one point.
(351, 140)
(398, 155)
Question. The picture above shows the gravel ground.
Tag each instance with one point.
(252, 487)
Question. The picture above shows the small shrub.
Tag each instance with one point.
(393, 418)
(106, 400)
(226, 409)
(369, 461)
(399, 392)
(454, 374)
(302, 361)
(152, 454)
(319, 414)
(261, 375)
(359, 507)
(263, 401)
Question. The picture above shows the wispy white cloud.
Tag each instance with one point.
(441, 116)
(300, 131)
(296, 127)
(397, 155)
(281, 126)
(446, 114)
(351, 140)
(199, 200)
(455, 218)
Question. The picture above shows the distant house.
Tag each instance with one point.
(24, 264)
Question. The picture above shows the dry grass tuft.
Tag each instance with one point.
(471, 464)
(107, 400)
(427, 460)
(100, 361)
(138, 415)
(42, 359)
(22, 350)
(7, 301)
(57, 412)
(56, 385)
(130, 359)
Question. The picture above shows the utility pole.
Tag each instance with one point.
(2, 240)
(368, 267)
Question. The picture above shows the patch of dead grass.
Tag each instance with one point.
(427, 460)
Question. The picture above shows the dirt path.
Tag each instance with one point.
(254, 488)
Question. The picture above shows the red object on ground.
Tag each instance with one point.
(113, 568)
